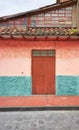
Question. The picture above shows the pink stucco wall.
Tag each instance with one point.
(15, 56)
(67, 58)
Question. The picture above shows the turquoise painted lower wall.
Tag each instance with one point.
(22, 85)
(15, 86)
(67, 85)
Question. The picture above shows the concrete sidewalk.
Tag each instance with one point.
(40, 120)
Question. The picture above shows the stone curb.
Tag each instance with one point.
(48, 108)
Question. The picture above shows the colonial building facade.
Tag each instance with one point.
(39, 51)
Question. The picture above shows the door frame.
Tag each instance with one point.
(32, 67)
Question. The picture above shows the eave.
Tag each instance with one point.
(40, 38)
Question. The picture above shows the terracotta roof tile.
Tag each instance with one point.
(40, 31)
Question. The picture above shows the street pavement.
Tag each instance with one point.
(40, 120)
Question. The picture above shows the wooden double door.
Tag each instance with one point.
(43, 72)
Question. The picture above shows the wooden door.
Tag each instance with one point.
(43, 72)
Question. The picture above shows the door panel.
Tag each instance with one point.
(43, 74)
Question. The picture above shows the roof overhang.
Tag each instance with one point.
(40, 38)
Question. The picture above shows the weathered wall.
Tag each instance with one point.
(15, 85)
(15, 72)
(67, 68)
(15, 66)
